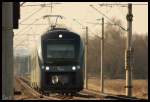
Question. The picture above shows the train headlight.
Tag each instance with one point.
(60, 35)
(73, 68)
(47, 67)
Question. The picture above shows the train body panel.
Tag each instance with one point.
(57, 64)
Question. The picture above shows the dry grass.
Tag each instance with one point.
(140, 87)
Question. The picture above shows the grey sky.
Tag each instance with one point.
(83, 13)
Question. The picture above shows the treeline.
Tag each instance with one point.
(114, 54)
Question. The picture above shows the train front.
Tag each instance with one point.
(63, 61)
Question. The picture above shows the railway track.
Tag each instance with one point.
(111, 96)
(83, 95)
(80, 96)
(36, 94)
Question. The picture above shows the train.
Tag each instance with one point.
(57, 63)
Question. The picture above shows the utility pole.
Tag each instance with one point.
(51, 5)
(86, 53)
(102, 53)
(28, 58)
(28, 55)
(128, 52)
(7, 51)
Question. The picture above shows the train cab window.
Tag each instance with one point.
(60, 51)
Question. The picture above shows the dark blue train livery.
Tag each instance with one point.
(57, 64)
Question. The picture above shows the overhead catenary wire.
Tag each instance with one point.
(33, 24)
(121, 4)
(107, 17)
(19, 33)
(16, 36)
(32, 14)
(91, 32)
(23, 41)
(27, 26)
(22, 4)
(121, 7)
(99, 23)
(41, 5)
(25, 34)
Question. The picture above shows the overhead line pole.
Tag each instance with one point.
(86, 58)
(129, 52)
(102, 54)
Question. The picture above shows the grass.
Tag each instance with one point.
(116, 86)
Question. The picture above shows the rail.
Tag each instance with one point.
(83, 95)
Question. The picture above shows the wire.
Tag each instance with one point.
(21, 42)
(91, 32)
(31, 14)
(107, 17)
(34, 24)
(119, 4)
(22, 33)
(22, 4)
(28, 26)
(78, 22)
(41, 5)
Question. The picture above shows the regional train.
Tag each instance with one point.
(58, 62)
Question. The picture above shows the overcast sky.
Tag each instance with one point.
(83, 13)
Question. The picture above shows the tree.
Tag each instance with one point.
(114, 54)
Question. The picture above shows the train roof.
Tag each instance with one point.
(57, 29)
(54, 33)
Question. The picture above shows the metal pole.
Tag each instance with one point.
(86, 53)
(102, 52)
(128, 52)
(28, 56)
(28, 65)
(7, 51)
(51, 7)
